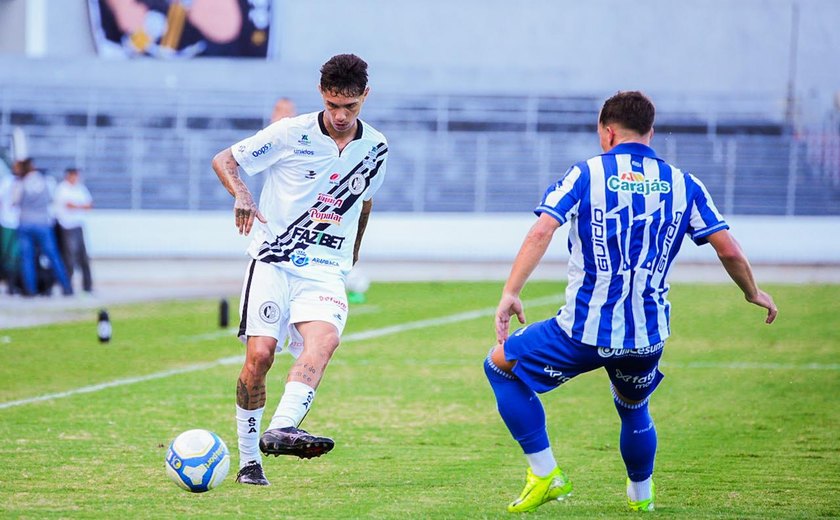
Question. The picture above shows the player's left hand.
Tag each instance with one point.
(509, 305)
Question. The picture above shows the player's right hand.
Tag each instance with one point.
(245, 211)
(509, 305)
(762, 299)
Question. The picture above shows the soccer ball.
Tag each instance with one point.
(197, 460)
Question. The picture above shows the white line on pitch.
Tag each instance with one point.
(358, 336)
(127, 381)
(375, 333)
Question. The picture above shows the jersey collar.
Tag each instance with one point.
(634, 149)
(324, 127)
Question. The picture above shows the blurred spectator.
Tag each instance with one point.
(284, 107)
(72, 201)
(32, 195)
(9, 257)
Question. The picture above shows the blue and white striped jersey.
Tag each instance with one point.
(629, 211)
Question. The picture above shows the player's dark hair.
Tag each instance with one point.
(631, 109)
(344, 74)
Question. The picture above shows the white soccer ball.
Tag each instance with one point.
(197, 460)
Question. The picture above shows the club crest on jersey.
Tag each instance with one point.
(356, 184)
(269, 312)
(299, 257)
(633, 182)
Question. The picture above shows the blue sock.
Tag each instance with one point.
(638, 439)
(520, 408)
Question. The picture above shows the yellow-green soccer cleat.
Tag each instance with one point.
(642, 505)
(539, 490)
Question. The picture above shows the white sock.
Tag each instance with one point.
(542, 462)
(637, 491)
(248, 431)
(293, 405)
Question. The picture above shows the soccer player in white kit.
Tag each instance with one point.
(323, 169)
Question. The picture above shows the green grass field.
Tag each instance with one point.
(748, 415)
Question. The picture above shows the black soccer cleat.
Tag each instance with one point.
(252, 473)
(294, 441)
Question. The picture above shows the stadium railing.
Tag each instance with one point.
(152, 149)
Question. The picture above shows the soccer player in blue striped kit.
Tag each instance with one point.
(628, 211)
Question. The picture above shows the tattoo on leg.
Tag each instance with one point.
(301, 375)
(250, 399)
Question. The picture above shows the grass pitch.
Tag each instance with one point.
(748, 415)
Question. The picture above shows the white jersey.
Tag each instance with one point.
(77, 194)
(312, 197)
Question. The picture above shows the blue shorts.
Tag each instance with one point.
(546, 357)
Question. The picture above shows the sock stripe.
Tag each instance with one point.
(627, 405)
(496, 369)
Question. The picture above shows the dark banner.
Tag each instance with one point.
(181, 28)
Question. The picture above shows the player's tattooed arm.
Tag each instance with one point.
(363, 220)
(244, 208)
(249, 399)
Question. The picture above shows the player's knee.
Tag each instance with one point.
(260, 356)
(330, 342)
(495, 373)
(323, 344)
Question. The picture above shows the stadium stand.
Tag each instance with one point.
(151, 149)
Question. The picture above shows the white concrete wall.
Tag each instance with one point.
(685, 50)
(439, 237)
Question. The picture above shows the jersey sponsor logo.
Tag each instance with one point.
(599, 239)
(299, 257)
(324, 216)
(333, 300)
(317, 238)
(329, 199)
(357, 184)
(647, 429)
(304, 140)
(310, 174)
(299, 151)
(521, 331)
(632, 352)
(265, 148)
(556, 374)
(284, 247)
(632, 182)
(668, 243)
(324, 261)
(639, 381)
(370, 159)
(269, 312)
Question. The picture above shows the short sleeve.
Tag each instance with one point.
(562, 199)
(704, 218)
(379, 178)
(258, 152)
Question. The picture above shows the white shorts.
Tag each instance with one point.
(274, 299)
